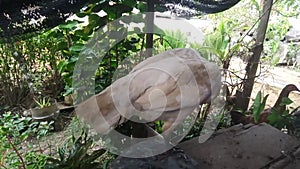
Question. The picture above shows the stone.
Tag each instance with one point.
(242, 147)
(172, 159)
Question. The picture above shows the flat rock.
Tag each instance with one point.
(245, 147)
(172, 159)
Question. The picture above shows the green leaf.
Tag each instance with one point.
(94, 19)
(121, 8)
(263, 104)
(55, 33)
(69, 25)
(88, 30)
(61, 65)
(130, 3)
(61, 153)
(256, 107)
(274, 117)
(256, 4)
(77, 48)
(81, 14)
(69, 91)
(142, 7)
(80, 33)
(259, 106)
(111, 15)
(285, 101)
(280, 120)
(99, 7)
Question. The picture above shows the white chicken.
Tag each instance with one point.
(168, 87)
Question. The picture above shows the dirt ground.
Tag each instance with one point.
(271, 80)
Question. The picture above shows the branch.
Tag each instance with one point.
(285, 15)
(17, 152)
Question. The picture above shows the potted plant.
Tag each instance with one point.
(46, 109)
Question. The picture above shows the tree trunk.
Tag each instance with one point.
(243, 97)
(149, 28)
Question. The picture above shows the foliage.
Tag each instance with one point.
(293, 50)
(172, 40)
(36, 64)
(29, 68)
(246, 21)
(20, 127)
(196, 129)
(43, 102)
(39, 65)
(245, 24)
(277, 29)
(199, 123)
(14, 130)
(78, 31)
(78, 156)
(258, 105)
(282, 120)
(287, 8)
(218, 42)
(277, 119)
(35, 160)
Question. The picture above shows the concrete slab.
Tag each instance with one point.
(242, 147)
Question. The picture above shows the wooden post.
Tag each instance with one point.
(149, 26)
(243, 98)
